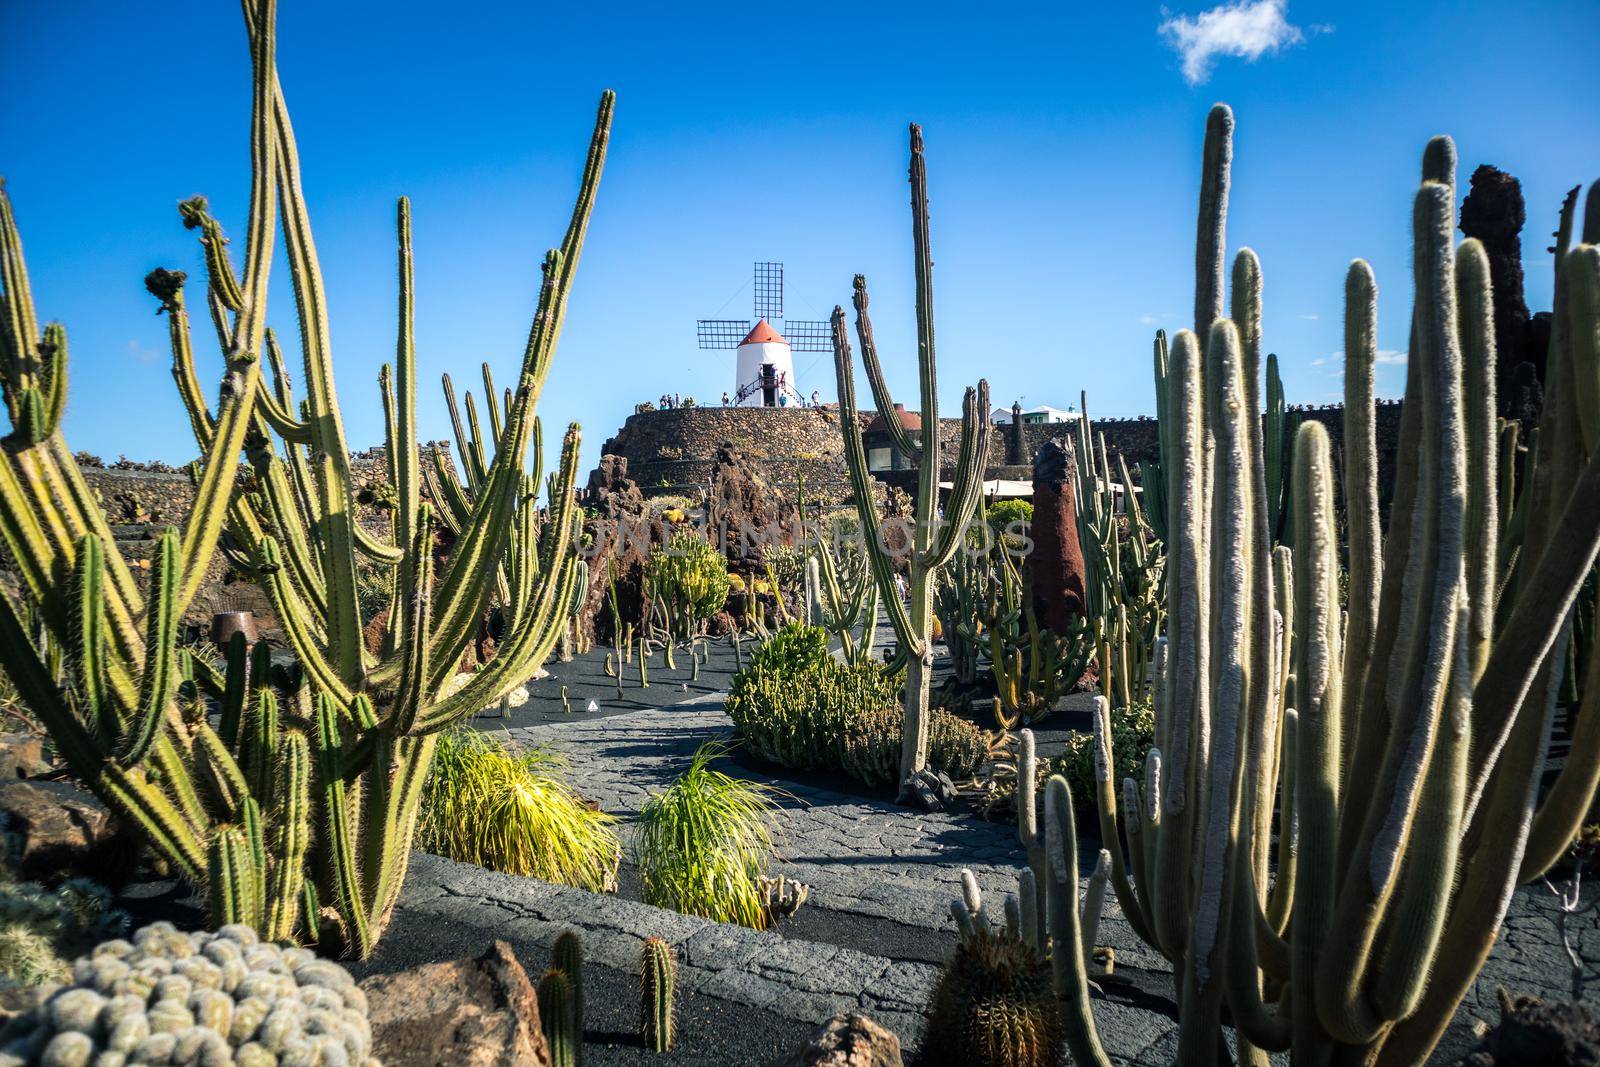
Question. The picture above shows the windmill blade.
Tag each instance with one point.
(721, 333)
(768, 285)
(808, 335)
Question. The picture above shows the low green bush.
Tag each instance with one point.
(507, 810)
(1133, 731)
(1005, 512)
(797, 706)
(705, 843)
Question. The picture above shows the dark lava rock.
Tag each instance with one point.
(62, 832)
(1531, 1031)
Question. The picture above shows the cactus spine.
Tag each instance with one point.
(559, 1018)
(232, 806)
(934, 538)
(658, 983)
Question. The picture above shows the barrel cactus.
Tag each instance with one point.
(166, 996)
(994, 1004)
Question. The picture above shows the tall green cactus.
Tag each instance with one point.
(658, 980)
(934, 538)
(559, 1017)
(1353, 933)
(234, 805)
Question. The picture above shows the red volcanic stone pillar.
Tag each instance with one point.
(1057, 559)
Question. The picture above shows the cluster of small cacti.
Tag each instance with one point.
(842, 595)
(40, 929)
(936, 533)
(231, 804)
(784, 896)
(658, 980)
(165, 996)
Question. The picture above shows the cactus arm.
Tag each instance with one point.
(1211, 227)
(338, 833)
(1360, 482)
(467, 447)
(88, 632)
(161, 662)
(1186, 643)
(966, 490)
(276, 410)
(415, 648)
(284, 514)
(230, 873)
(496, 410)
(233, 692)
(1106, 801)
(881, 397)
(55, 370)
(1583, 333)
(20, 325)
(291, 816)
(404, 452)
(1475, 307)
(1067, 952)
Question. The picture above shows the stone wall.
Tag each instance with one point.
(671, 451)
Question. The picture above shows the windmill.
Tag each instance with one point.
(764, 366)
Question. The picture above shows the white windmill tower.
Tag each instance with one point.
(764, 360)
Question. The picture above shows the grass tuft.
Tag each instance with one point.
(705, 842)
(508, 810)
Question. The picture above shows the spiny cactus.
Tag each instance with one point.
(566, 955)
(170, 997)
(1355, 936)
(211, 799)
(994, 1004)
(1032, 666)
(934, 536)
(558, 1016)
(658, 982)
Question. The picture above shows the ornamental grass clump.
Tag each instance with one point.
(508, 810)
(705, 842)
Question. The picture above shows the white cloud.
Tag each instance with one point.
(141, 353)
(1318, 362)
(1392, 356)
(1248, 29)
(1310, 317)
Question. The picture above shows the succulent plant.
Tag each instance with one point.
(224, 806)
(934, 536)
(657, 986)
(165, 996)
(994, 1004)
(559, 1018)
(566, 955)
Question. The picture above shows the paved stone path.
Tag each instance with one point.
(861, 856)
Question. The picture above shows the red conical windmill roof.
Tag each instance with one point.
(763, 333)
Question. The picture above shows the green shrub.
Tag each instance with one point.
(1005, 512)
(490, 805)
(705, 842)
(870, 746)
(690, 575)
(1133, 731)
(797, 706)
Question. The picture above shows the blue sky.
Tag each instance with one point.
(1063, 149)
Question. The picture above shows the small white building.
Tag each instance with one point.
(765, 368)
(1040, 415)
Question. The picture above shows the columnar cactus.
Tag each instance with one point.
(566, 955)
(559, 1018)
(233, 805)
(934, 538)
(658, 981)
(1376, 914)
(1353, 932)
